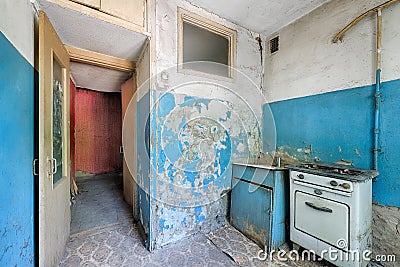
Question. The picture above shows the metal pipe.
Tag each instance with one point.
(378, 94)
(340, 35)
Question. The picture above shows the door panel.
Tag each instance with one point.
(54, 181)
(250, 211)
(129, 136)
(322, 218)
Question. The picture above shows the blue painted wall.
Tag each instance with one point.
(194, 140)
(16, 155)
(143, 164)
(338, 125)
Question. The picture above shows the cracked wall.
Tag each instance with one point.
(197, 130)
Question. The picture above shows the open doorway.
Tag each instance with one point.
(100, 55)
(96, 161)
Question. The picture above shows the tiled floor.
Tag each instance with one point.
(103, 235)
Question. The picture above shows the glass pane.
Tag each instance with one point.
(57, 119)
(215, 49)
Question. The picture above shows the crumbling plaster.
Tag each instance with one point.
(198, 129)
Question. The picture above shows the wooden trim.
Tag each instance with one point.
(100, 60)
(100, 15)
(212, 26)
(340, 35)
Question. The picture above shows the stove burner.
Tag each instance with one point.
(331, 169)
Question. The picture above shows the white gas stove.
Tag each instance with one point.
(330, 212)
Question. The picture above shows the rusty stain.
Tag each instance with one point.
(261, 237)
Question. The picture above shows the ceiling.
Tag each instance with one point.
(97, 78)
(85, 32)
(262, 16)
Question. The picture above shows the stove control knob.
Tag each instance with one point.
(333, 183)
(345, 186)
(301, 176)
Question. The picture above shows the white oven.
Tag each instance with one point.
(330, 214)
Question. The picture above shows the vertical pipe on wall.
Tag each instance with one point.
(378, 93)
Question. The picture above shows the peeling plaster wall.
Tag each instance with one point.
(142, 96)
(197, 131)
(248, 55)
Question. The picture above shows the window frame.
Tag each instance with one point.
(185, 16)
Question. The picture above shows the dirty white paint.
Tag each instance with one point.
(143, 72)
(248, 55)
(260, 15)
(197, 125)
(98, 78)
(17, 24)
(82, 31)
(308, 63)
(98, 36)
(54, 221)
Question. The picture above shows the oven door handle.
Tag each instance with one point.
(324, 209)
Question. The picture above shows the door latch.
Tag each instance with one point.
(51, 167)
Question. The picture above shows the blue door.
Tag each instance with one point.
(16, 155)
(250, 211)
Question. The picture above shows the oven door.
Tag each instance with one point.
(324, 219)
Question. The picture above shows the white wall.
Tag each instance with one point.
(143, 72)
(309, 63)
(17, 24)
(167, 34)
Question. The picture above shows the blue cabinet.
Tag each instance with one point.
(259, 204)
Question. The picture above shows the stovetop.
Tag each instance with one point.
(336, 171)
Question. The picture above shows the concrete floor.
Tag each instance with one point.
(103, 234)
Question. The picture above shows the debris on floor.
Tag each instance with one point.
(102, 234)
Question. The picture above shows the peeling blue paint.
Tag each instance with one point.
(339, 125)
(166, 104)
(143, 162)
(198, 213)
(193, 146)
